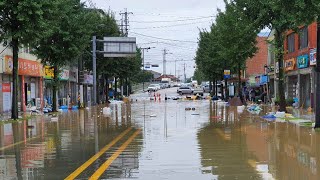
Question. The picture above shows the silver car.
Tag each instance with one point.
(185, 90)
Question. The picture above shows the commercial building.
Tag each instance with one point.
(30, 89)
(299, 61)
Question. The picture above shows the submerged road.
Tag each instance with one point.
(147, 139)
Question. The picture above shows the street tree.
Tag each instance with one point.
(237, 40)
(70, 30)
(21, 23)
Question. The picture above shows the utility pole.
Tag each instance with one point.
(164, 61)
(147, 48)
(317, 84)
(184, 72)
(94, 68)
(126, 22)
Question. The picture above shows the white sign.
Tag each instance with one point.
(1, 62)
(313, 57)
(120, 46)
(33, 90)
(6, 93)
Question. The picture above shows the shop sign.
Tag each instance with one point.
(227, 74)
(88, 79)
(289, 64)
(48, 72)
(73, 76)
(25, 67)
(6, 96)
(64, 75)
(313, 57)
(303, 61)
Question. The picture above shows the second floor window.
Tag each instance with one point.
(303, 38)
(291, 43)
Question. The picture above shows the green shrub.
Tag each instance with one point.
(289, 101)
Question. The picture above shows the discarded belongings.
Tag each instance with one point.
(254, 109)
(106, 111)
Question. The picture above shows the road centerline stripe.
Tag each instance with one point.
(114, 156)
(96, 156)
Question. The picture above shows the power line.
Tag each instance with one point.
(178, 20)
(175, 25)
(164, 38)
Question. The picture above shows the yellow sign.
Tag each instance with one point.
(48, 72)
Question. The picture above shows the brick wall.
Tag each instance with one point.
(312, 43)
(255, 65)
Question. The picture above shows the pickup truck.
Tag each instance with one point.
(198, 91)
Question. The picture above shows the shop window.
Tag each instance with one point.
(303, 38)
(291, 43)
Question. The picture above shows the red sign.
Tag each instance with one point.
(6, 87)
(26, 67)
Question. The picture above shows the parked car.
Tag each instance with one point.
(198, 91)
(153, 87)
(185, 90)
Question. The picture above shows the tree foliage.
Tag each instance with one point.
(279, 15)
(69, 35)
(21, 23)
(229, 43)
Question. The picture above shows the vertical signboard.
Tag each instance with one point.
(6, 91)
(313, 57)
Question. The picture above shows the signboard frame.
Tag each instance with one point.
(119, 46)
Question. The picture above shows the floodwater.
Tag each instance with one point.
(158, 140)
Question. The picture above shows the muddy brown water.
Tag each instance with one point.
(210, 142)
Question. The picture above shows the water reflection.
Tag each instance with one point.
(49, 147)
(243, 146)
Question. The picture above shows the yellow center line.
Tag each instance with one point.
(20, 142)
(114, 156)
(96, 156)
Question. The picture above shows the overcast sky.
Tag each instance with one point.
(179, 20)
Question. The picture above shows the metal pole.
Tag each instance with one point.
(317, 84)
(143, 69)
(94, 69)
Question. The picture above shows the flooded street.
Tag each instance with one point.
(158, 140)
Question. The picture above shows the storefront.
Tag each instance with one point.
(63, 92)
(292, 85)
(305, 81)
(86, 93)
(73, 85)
(30, 92)
(48, 81)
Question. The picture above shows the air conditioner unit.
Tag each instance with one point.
(38, 103)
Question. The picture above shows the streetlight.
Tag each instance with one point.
(147, 48)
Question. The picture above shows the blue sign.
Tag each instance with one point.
(227, 74)
(264, 79)
(303, 61)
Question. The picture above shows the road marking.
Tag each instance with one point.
(114, 156)
(12, 145)
(96, 156)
